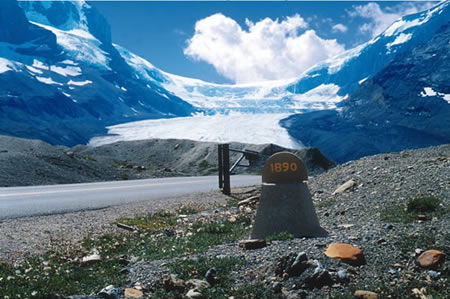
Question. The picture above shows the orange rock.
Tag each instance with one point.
(430, 258)
(346, 253)
(131, 293)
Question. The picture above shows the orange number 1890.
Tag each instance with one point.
(283, 167)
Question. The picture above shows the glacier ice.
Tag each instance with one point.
(245, 128)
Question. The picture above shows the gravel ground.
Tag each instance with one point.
(351, 217)
(34, 235)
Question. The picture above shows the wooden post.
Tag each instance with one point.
(220, 157)
(226, 169)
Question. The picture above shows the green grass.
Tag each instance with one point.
(189, 269)
(147, 244)
(428, 206)
(59, 276)
(423, 204)
(188, 209)
(153, 223)
(223, 286)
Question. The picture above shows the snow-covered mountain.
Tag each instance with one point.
(405, 105)
(323, 86)
(63, 81)
(324, 95)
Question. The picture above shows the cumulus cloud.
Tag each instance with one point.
(340, 28)
(379, 19)
(265, 50)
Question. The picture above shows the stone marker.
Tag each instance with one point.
(286, 203)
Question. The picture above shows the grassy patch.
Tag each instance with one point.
(325, 203)
(189, 269)
(223, 286)
(188, 209)
(232, 203)
(283, 236)
(56, 274)
(89, 158)
(153, 223)
(423, 205)
(203, 165)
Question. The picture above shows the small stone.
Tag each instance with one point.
(198, 284)
(133, 293)
(388, 226)
(434, 274)
(110, 292)
(193, 293)
(319, 278)
(299, 265)
(344, 187)
(277, 287)
(252, 244)
(93, 258)
(418, 251)
(70, 154)
(211, 275)
(232, 219)
(171, 282)
(422, 217)
(365, 294)
(343, 275)
(431, 258)
(345, 225)
(346, 253)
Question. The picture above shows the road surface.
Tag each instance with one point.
(54, 199)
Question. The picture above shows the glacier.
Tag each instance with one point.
(234, 127)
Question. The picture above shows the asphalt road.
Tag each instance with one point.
(18, 202)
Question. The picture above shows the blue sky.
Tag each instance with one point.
(229, 42)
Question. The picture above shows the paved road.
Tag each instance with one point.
(44, 200)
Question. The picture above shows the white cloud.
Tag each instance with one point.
(340, 28)
(266, 50)
(380, 19)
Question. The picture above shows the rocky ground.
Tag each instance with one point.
(33, 162)
(394, 207)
